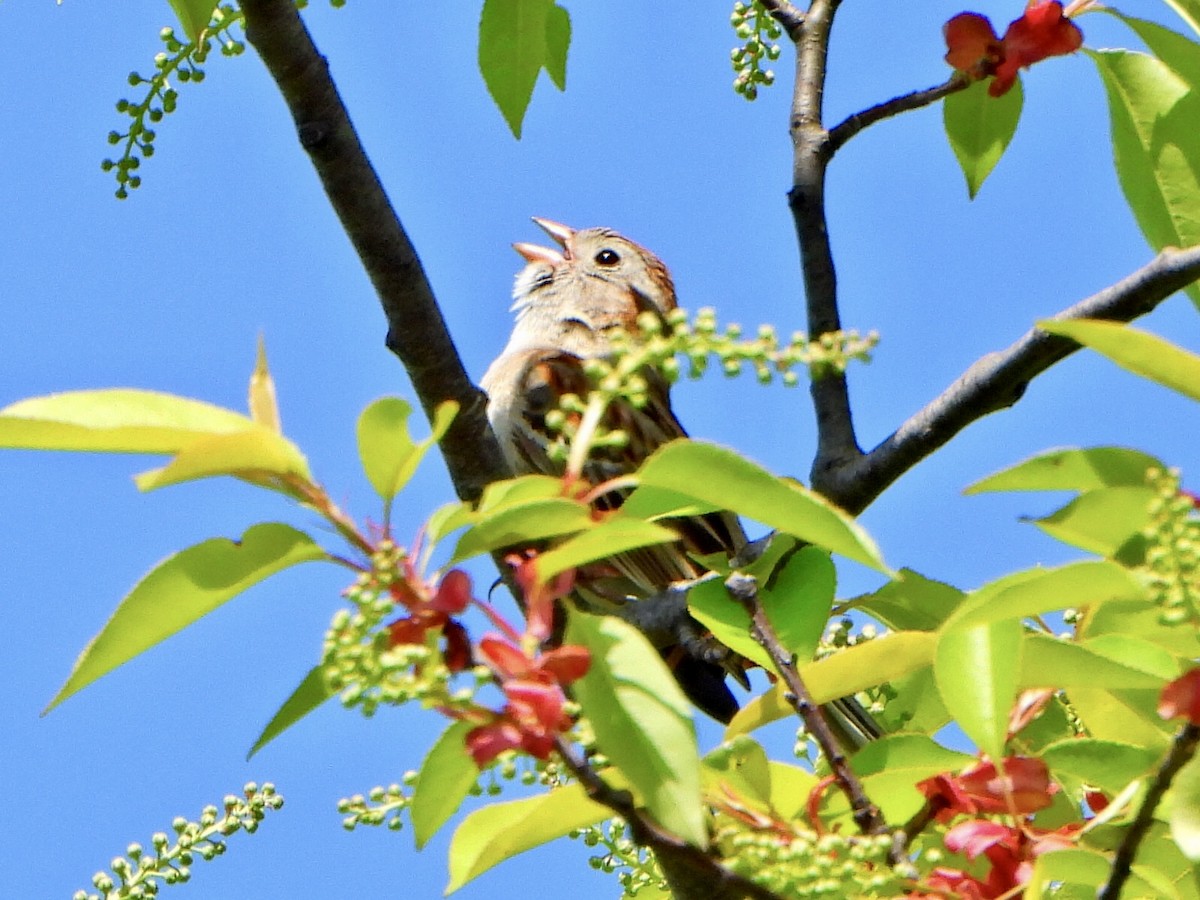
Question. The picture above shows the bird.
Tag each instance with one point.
(568, 301)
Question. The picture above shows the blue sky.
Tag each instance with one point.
(231, 237)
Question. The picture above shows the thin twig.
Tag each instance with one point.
(855, 123)
(691, 872)
(1183, 748)
(416, 330)
(998, 380)
(744, 589)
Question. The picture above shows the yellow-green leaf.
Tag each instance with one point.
(980, 128)
(264, 407)
(616, 534)
(308, 695)
(1072, 469)
(447, 775)
(1185, 810)
(1037, 591)
(115, 420)
(642, 721)
(183, 588)
(388, 453)
(523, 523)
(977, 671)
(1138, 351)
(719, 476)
(868, 664)
(256, 455)
(194, 15)
(500, 831)
(1156, 146)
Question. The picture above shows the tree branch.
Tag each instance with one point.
(417, 332)
(852, 125)
(836, 443)
(997, 381)
(744, 589)
(691, 872)
(1183, 748)
(786, 14)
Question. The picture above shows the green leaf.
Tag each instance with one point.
(977, 671)
(1156, 146)
(1037, 591)
(764, 709)
(910, 602)
(1185, 809)
(1120, 715)
(447, 775)
(915, 704)
(257, 455)
(1189, 11)
(308, 695)
(739, 764)
(558, 41)
(183, 588)
(1101, 521)
(891, 767)
(114, 421)
(616, 534)
(980, 127)
(721, 477)
(194, 15)
(1106, 765)
(867, 664)
(389, 454)
(790, 789)
(523, 523)
(796, 598)
(1114, 662)
(642, 721)
(522, 489)
(517, 38)
(1072, 470)
(1142, 353)
(500, 831)
(1139, 618)
(1070, 866)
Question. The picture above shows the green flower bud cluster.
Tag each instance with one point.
(381, 806)
(139, 872)
(360, 662)
(1172, 566)
(635, 867)
(660, 344)
(807, 865)
(754, 25)
(182, 61)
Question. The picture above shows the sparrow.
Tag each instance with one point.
(568, 300)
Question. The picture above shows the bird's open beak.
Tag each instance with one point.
(535, 254)
(561, 233)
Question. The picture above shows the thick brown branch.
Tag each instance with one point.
(852, 125)
(786, 14)
(1183, 748)
(416, 330)
(691, 872)
(836, 443)
(998, 380)
(744, 589)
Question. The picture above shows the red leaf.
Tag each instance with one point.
(1182, 698)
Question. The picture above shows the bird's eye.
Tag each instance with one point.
(607, 257)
